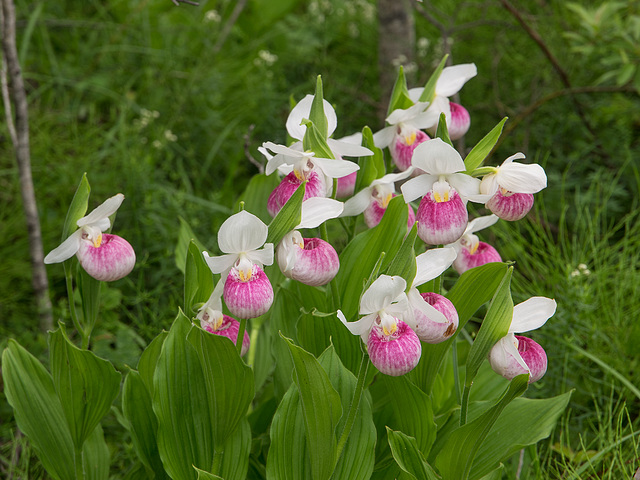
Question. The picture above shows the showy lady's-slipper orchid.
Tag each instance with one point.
(471, 251)
(214, 321)
(374, 200)
(514, 355)
(435, 318)
(393, 347)
(247, 290)
(512, 186)
(449, 83)
(404, 132)
(311, 261)
(103, 256)
(442, 215)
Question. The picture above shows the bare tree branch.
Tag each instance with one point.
(247, 150)
(23, 157)
(226, 29)
(188, 2)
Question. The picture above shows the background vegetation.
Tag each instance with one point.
(166, 104)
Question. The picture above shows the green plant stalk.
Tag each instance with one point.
(456, 374)
(79, 468)
(335, 295)
(355, 403)
(241, 330)
(217, 460)
(72, 307)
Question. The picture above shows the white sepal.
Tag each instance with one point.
(264, 256)
(242, 232)
(384, 137)
(417, 187)
(361, 327)
(506, 349)
(382, 293)
(416, 301)
(317, 210)
(220, 264)
(522, 178)
(66, 249)
(302, 111)
(432, 263)
(453, 78)
(102, 212)
(333, 168)
(348, 149)
(532, 314)
(437, 157)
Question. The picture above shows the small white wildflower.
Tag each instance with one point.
(169, 135)
(267, 57)
(157, 144)
(575, 273)
(582, 266)
(212, 16)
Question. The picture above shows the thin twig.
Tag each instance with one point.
(247, 151)
(226, 29)
(23, 158)
(188, 2)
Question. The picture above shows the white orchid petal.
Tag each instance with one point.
(453, 78)
(417, 187)
(242, 232)
(468, 187)
(348, 149)
(384, 137)
(437, 157)
(361, 327)
(317, 210)
(432, 263)
(522, 178)
(415, 93)
(106, 209)
(515, 156)
(489, 185)
(420, 304)
(399, 306)
(480, 223)
(425, 120)
(303, 110)
(440, 105)
(358, 203)
(66, 249)
(532, 314)
(381, 293)
(335, 168)
(404, 115)
(220, 263)
(264, 256)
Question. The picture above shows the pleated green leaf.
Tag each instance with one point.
(198, 279)
(317, 115)
(95, 456)
(494, 326)
(287, 218)
(371, 167)
(483, 148)
(284, 312)
(322, 410)
(89, 289)
(29, 390)
(185, 237)
(137, 409)
(409, 457)
(181, 404)
(429, 92)
(525, 421)
(235, 459)
(360, 256)
(77, 208)
(257, 193)
(288, 457)
(86, 385)
(202, 475)
(442, 132)
(228, 381)
(358, 456)
(456, 457)
(400, 93)
(473, 289)
(404, 262)
(149, 360)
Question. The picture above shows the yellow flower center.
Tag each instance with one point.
(410, 139)
(98, 241)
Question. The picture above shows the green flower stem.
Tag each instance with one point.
(456, 374)
(217, 460)
(464, 406)
(72, 306)
(355, 403)
(79, 467)
(241, 330)
(253, 339)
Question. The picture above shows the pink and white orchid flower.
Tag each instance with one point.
(471, 251)
(214, 321)
(511, 186)
(247, 290)
(374, 199)
(442, 215)
(515, 355)
(435, 318)
(404, 132)
(104, 256)
(393, 347)
(311, 261)
(449, 83)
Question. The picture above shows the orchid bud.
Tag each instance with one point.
(530, 358)
(311, 261)
(430, 329)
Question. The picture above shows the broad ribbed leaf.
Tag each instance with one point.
(442, 132)
(29, 390)
(86, 385)
(494, 326)
(89, 289)
(137, 409)
(404, 262)
(317, 115)
(409, 457)
(95, 456)
(235, 459)
(257, 193)
(358, 456)
(287, 218)
(149, 359)
(361, 255)
(456, 457)
(288, 457)
(198, 279)
(429, 92)
(202, 475)
(524, 422)
(284, 312)
(321, 407)
(483, 148)
(181, 404)
(400, 94)
(473, 289)
(229, 382)
(185, 237)
(371, 167)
